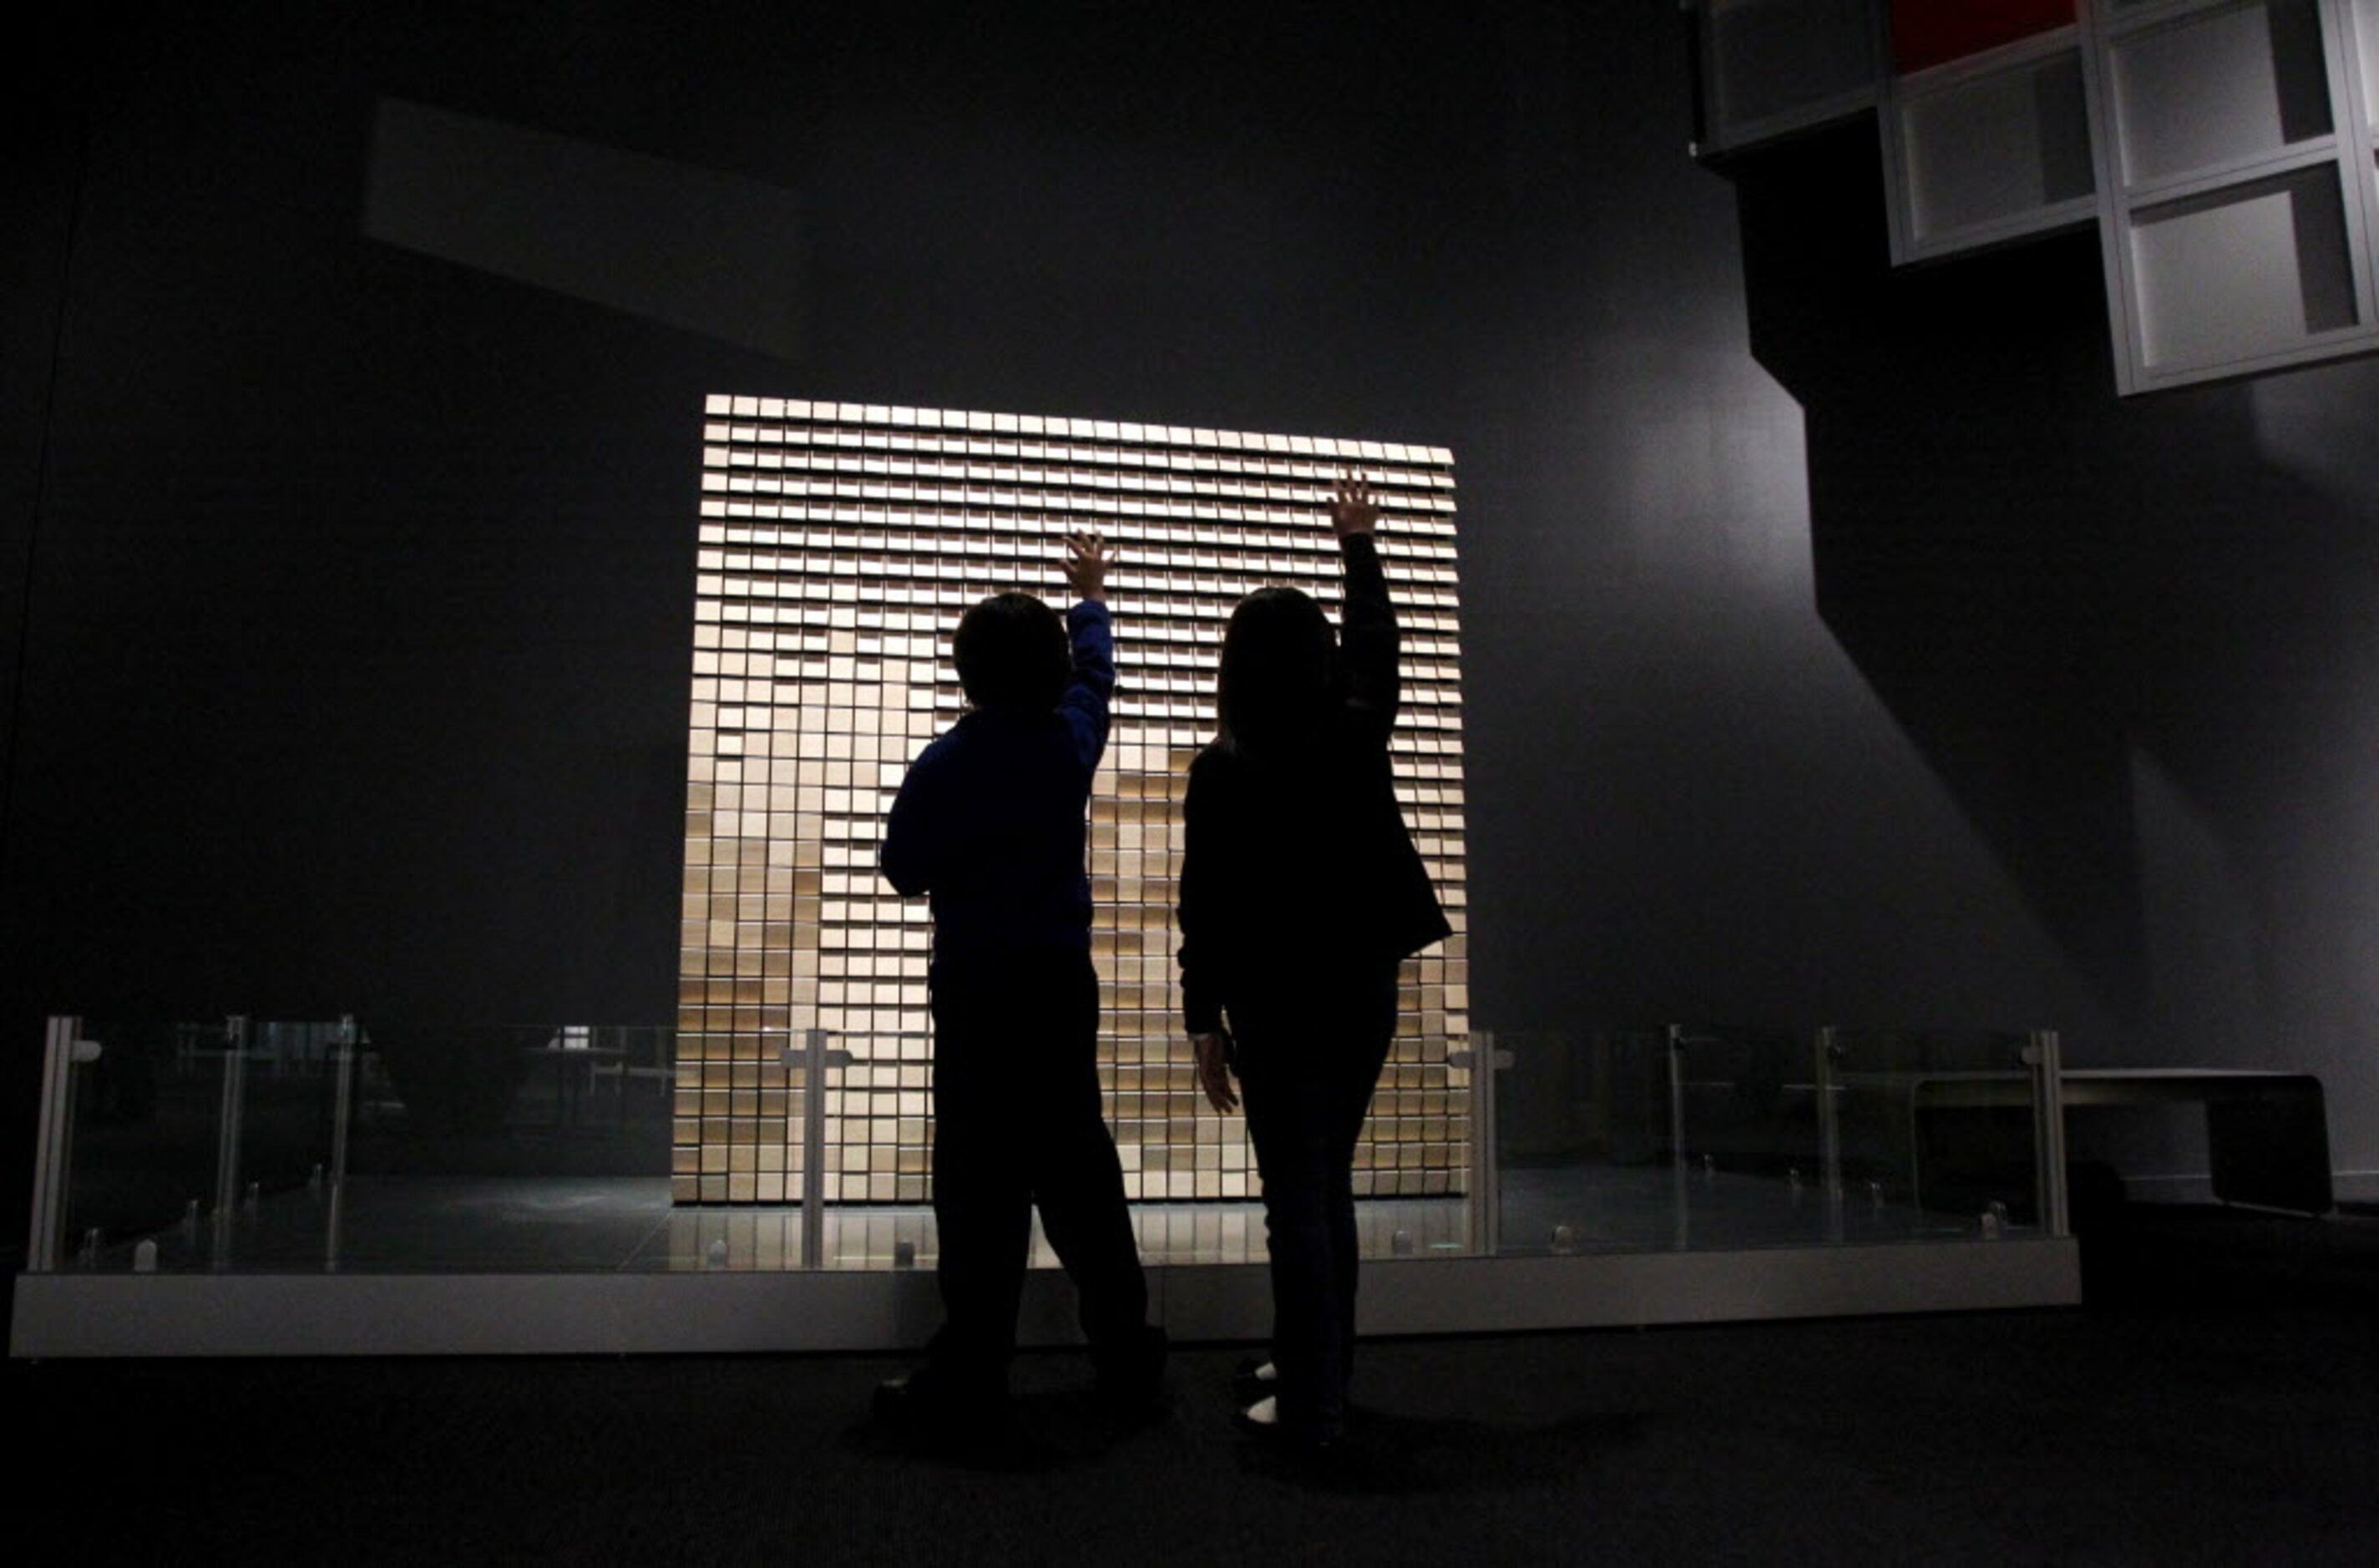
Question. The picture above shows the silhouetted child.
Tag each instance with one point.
(989, 825)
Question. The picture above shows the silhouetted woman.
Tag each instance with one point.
(1301, 893)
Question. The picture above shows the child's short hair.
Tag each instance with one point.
(1012, 654)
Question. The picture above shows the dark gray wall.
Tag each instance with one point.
(2136, 642)
(1896, 673)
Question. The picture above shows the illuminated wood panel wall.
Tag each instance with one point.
(838, 545)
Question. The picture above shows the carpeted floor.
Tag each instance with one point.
(2215, 1403)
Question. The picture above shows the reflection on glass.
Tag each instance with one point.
(1713, 1139)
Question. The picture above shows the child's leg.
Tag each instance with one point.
(981, 1187)
(1077, 1180)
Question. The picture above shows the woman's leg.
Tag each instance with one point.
(1359, 1053)
(1290, 1130)
(1307, 1071)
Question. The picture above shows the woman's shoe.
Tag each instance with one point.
(1254, 1378)
(1305, 1453)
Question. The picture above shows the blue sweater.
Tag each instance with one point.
(989, 822)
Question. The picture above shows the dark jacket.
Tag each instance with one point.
(1299, 862)
(989, 821)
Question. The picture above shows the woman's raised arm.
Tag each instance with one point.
(1368, 641)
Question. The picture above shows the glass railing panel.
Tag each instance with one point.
(873, 1191)
(405, 1146)
(1937, 1131)
(1694, 1137)
(1584, 1144)
(280, 1109)
(1749, 1147)
(138, 1177)
(534, 1146)
(744, 1127)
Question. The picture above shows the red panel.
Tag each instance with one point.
(1929, 33)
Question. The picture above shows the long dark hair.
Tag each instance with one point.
(1278, 675)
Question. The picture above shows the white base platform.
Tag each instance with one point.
(616, 1313)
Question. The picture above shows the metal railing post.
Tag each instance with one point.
(1483, 1059)
(1679, 1182)
(813, 1060)
(227, 1135)
(54, 1146)
(342, 1114)
(2046, 1059)
(814, 1151)
(1829, 1056)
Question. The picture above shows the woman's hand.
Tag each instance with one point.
(1352, 511)
(1215, 1070)
(1087, 559)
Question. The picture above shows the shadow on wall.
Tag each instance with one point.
(2049, 586)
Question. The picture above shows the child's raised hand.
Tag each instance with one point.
(1352, 510)
(1088, 556)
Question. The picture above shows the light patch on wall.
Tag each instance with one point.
(1718, 484)
(2201, 924)
(2317, 424)
(690, 247)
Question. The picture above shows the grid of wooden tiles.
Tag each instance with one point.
(839, 544)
